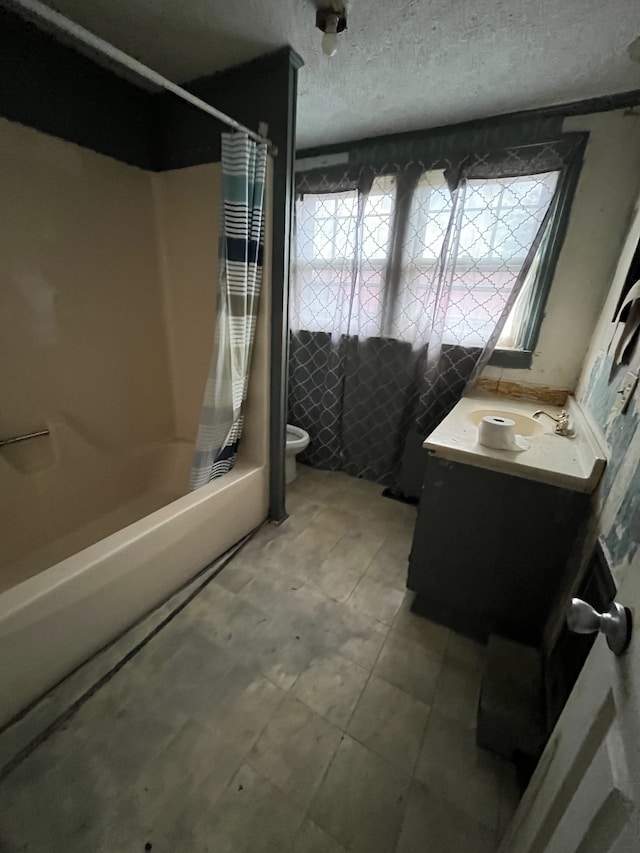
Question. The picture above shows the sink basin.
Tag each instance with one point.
(524, 424)
(573, 462)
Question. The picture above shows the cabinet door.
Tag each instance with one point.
(543, 524)
(490, 550)
(456, 544)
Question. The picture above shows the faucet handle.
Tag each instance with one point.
(562, 424)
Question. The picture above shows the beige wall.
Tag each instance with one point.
(597, 227)
(187, 204)
(82, 342)
(81, 329)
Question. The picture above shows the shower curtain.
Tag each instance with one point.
(241, 250)
(405, 273)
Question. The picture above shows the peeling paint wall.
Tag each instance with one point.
(597, 225)
(616, 511)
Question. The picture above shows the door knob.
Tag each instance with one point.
(615, 624)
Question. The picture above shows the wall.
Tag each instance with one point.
(83, 346)
(598, 222)
(616, 517)
(187, 204)
(81, 316)
(50, 86)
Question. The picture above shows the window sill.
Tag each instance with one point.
(518, 359)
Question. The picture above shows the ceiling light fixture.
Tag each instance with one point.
(331, 20)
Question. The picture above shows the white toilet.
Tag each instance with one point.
(297, 440)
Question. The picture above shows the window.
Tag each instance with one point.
(479, 241)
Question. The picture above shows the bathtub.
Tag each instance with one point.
(70, 594)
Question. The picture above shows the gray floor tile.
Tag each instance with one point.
(364, 489)
(44, 808)
(312, 545)
(125, 827)
(432, 823)
(462, 772)
(390, 722)
(362, 640)
(294, 751)
(418, 628)
(410, 665)
(331, 687)
(345, 498)
(193, 772)
(376, 600)
(388, 569)
(244, 703)
(469, 652)
(340, 571)
(333, 578)
(312, 839)
(458, 691)
(261, 641)
(272, 549)
(302, 509)
(250, 817)
(328, 490)
(341, 521)
(182, 687)
(274, 591)
(209, 601)
(237, 574)
(361, 800)
(356, 549)
(193, 745)
(398, 543)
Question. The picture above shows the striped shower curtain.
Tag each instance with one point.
(241, 249)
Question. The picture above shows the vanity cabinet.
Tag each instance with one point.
(490, 550)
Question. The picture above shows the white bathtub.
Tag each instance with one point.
(54, 620)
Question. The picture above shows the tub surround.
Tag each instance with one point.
(574, 462)
(187, 215)
(53, 621)
(101, 528)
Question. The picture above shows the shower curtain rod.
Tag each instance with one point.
(36, 9)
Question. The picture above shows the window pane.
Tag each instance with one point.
(329, 297)
(491, 235)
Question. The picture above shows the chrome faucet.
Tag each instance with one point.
(561, 422)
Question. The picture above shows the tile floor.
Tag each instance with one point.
(294, 705)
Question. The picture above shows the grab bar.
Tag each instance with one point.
(16, 438)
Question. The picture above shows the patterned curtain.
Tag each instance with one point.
(241, 249)
(405, 274)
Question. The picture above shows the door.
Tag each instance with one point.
(584, 796)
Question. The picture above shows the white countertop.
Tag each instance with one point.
(573, 462)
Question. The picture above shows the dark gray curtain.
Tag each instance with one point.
(369, 383)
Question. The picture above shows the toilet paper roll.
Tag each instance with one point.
(499, 434)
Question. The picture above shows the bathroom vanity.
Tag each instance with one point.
(495, 528)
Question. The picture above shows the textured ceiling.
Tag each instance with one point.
(401, 65)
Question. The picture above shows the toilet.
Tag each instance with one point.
(297, 440)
